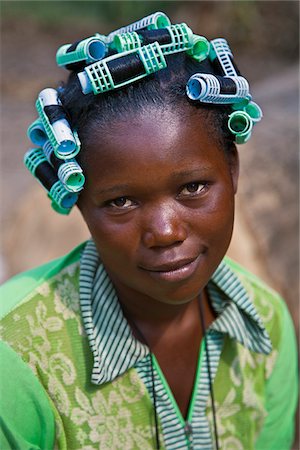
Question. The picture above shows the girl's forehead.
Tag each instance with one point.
(154, 143)
(158, 127)
(151, 129)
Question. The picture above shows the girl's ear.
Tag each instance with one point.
(234, 165)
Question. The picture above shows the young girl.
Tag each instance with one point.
(145, 336)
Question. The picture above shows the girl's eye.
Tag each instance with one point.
(192, 189)
(121, 203)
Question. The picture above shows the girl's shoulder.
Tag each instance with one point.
(270, 306)
(24, 286)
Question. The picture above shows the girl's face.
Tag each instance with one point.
(159, 203)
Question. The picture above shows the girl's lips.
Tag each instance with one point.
(180, 273)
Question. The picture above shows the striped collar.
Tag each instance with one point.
(114, 347)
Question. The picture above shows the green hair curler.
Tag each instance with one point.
(61, 197)
(254, 111)
(65, 142)
(181, 39)
(59, 209)
(69, 172)
(240, 124)
(71, 175)
(200, 48)
(98, 78)
(36, 162)
(33, 158)
(36, 133)
(87, 51)
(126, 42)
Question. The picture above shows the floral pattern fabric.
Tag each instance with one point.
(47, 332)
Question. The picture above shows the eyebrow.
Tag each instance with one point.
(175, 176)
(112, 189)
(187, 173)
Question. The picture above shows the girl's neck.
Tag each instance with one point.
(155, 318)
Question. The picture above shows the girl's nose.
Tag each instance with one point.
(163, 227)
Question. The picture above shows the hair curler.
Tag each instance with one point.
(222, 58)
(65, 142)
(36, 162)
(181, 38)
(172, 39)
(36, 133)
(81, 53)
(240, 124)
(126, 42)
(69, 172)
(254, 112)
(200, 48)
(209, 88)
(102, 37)
(153, 21)
(109, 73)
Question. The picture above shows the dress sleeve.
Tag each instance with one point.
(26, 417)
(281, 393)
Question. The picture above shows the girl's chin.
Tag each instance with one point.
(179, 296)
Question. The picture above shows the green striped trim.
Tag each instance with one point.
(173, 424)
(237, 314)
(114, 348)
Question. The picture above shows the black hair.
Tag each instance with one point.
(166, 87)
